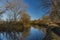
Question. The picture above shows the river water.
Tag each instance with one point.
(34, 34)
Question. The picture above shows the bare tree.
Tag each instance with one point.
(15, 8)
(55, 13)
(53, 9)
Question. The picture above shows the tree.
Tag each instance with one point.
(14, 9)
(46, 19)
(25, 19)
(53, 9)
(55, 13)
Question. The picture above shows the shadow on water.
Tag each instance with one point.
(32, 34)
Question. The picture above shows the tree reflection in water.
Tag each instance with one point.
(32, 34)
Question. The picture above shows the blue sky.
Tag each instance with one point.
(33, 9)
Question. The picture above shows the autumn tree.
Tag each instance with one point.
(25, 19)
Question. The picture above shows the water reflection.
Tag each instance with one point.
(35, 34)
(32, 34)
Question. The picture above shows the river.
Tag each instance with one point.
(34, 34)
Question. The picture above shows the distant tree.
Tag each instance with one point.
(25, 18)
(46, 19)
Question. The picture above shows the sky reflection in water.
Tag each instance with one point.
(36, 34)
